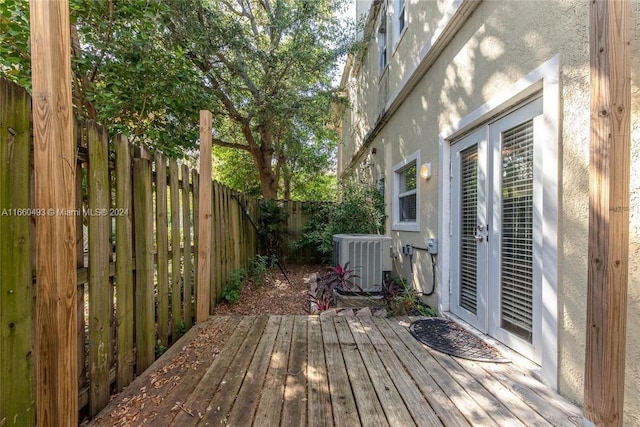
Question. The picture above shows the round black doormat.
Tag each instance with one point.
(446, 336)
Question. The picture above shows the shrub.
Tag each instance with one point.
(360, 210)
(231, 291)
(335, 278)
(272, 223)
(402, 299)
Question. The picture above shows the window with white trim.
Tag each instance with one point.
(399, 18)
(382, 40)
(406, 199)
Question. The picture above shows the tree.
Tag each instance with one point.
(145, 68)
(268, 62)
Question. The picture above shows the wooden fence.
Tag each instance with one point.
(136, 226)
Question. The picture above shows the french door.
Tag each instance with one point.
(493, 188)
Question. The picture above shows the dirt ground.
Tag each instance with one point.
(277, 295)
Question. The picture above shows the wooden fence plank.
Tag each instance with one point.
(100, 302)
(186, 258)
(203, 224)
(125, 358)
(195, 182)
(143, 229)
(16, 360)
(176, 279)
(54, 166)
(162, 244)
(216, 271)
(609, 172)
(227, 235)
(78, 133)
(235, 232)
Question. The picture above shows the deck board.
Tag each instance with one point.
(345, 412)
(394, 407)
(416, 403)
(294, 409)
(249, 394)
(221, 402)
(367, 401)
(270, 406)
(324, 371)
(319, 401)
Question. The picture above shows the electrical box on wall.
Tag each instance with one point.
(432, 246)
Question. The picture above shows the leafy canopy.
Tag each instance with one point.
(263, 67)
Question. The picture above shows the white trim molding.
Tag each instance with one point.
(544, 81)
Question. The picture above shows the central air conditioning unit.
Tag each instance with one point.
(368, 255)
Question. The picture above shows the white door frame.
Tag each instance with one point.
(544, 79)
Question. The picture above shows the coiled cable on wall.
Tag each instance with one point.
(433, 269)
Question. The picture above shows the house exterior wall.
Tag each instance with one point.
(498, 44)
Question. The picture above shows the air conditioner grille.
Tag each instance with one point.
(369, 257)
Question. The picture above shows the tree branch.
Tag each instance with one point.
(227, 144)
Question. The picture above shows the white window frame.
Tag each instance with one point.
(399, 14)
(398, 169)
(383, 41)
(545, 80)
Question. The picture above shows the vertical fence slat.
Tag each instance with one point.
(99, 250)
(186, 260)
(176, 294)
(16, 398)
(227, 235)
(162, 243)
(195, 180)
(143, 229)
(125, 359)
(80, 247)
(215, 271)
(203, 223)
(235, 231)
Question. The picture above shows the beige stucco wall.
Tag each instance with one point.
(500, 43)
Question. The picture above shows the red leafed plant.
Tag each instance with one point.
(335, 278)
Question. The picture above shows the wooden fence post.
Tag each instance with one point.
(162, 234)
(54, 163)
(17, 404)
(608, 260)
(100, 301)
(204, 218)
(143, 229)
(124, 265)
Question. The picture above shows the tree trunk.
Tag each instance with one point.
(268, 181)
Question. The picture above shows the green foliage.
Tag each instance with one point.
(259, 266)
(256, 271)
(160, 348)
(15, 59)
(231, 291)
(272, 222)
(182, 329)
(360, 210)
(235, 169)
(264, 68)
(402, 299)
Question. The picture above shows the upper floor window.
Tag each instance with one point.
(382, 40)
(400, 15)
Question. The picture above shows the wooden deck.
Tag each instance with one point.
(343, 371)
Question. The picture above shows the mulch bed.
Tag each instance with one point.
(277, 295)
